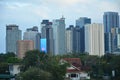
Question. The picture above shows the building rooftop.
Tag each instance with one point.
(76, 64)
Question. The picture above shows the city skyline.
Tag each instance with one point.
(27, 14)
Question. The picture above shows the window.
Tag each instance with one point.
(73, 75)
(11, 68)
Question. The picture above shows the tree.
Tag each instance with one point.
(56, 69)
(5, 56)
(34, 73)
(4, 68)
(13, 60)
(44, 62)
(34, 58)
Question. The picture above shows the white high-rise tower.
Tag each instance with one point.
(94, 39)
(59, 36)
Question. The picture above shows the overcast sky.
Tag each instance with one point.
(28, 13)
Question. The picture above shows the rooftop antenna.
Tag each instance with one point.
(63, 17)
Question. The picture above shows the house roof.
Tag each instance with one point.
(72, 70)
(75, 63)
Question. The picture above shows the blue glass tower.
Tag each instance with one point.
(110, 20)
(81, 22)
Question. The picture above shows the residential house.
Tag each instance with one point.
(74, 71)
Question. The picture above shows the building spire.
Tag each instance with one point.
(63, 17)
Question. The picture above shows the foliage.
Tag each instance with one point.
(54, 67)
(13, 60)
(34, 59)
(44, 62)
(34, 73)
(4, 68)
(4, 57)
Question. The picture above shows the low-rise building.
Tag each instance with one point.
(14, 69)
(74, 71)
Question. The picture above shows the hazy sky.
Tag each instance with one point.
(27, 13)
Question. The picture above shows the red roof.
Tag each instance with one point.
(76, 62)
(72, 70)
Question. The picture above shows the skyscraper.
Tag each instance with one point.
(59, 36)
(73, 38)
(94, 39)
(115, 39)
(108, 42)
(33, 34)
(110, 20)
(81, 22)
(70, 39)
(47, 33)
(23, 46)
(77, 40)
(12, 35)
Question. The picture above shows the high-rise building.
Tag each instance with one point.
(108, 42)
(47, 33)
(23, 46)
(73, 39)
(59, 36)
(12, 35)
(34, 28)
(110, 20)
(77, 40)
(94, 39)
(115, 39)
(81, 22)
(70, 39)
(33, 34)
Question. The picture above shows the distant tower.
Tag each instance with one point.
(110, 20)
(33, 34)
(77, 40)
(94, 39)
(47, 33)
(13, 34)
(23, 46)
(115, 39)
(80, 23)
(70, 39)
(59, 36)
(73, 38)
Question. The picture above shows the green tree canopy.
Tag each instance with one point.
(34, 73)
(44, 62)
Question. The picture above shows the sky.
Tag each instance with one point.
(29, 13)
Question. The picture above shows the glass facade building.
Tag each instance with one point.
(34, 35)
(59, 36)
(80, 23)
(43, 45)
(47, 32)
(110, 20)
(13, 34)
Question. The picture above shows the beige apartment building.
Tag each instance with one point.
(24, 46)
